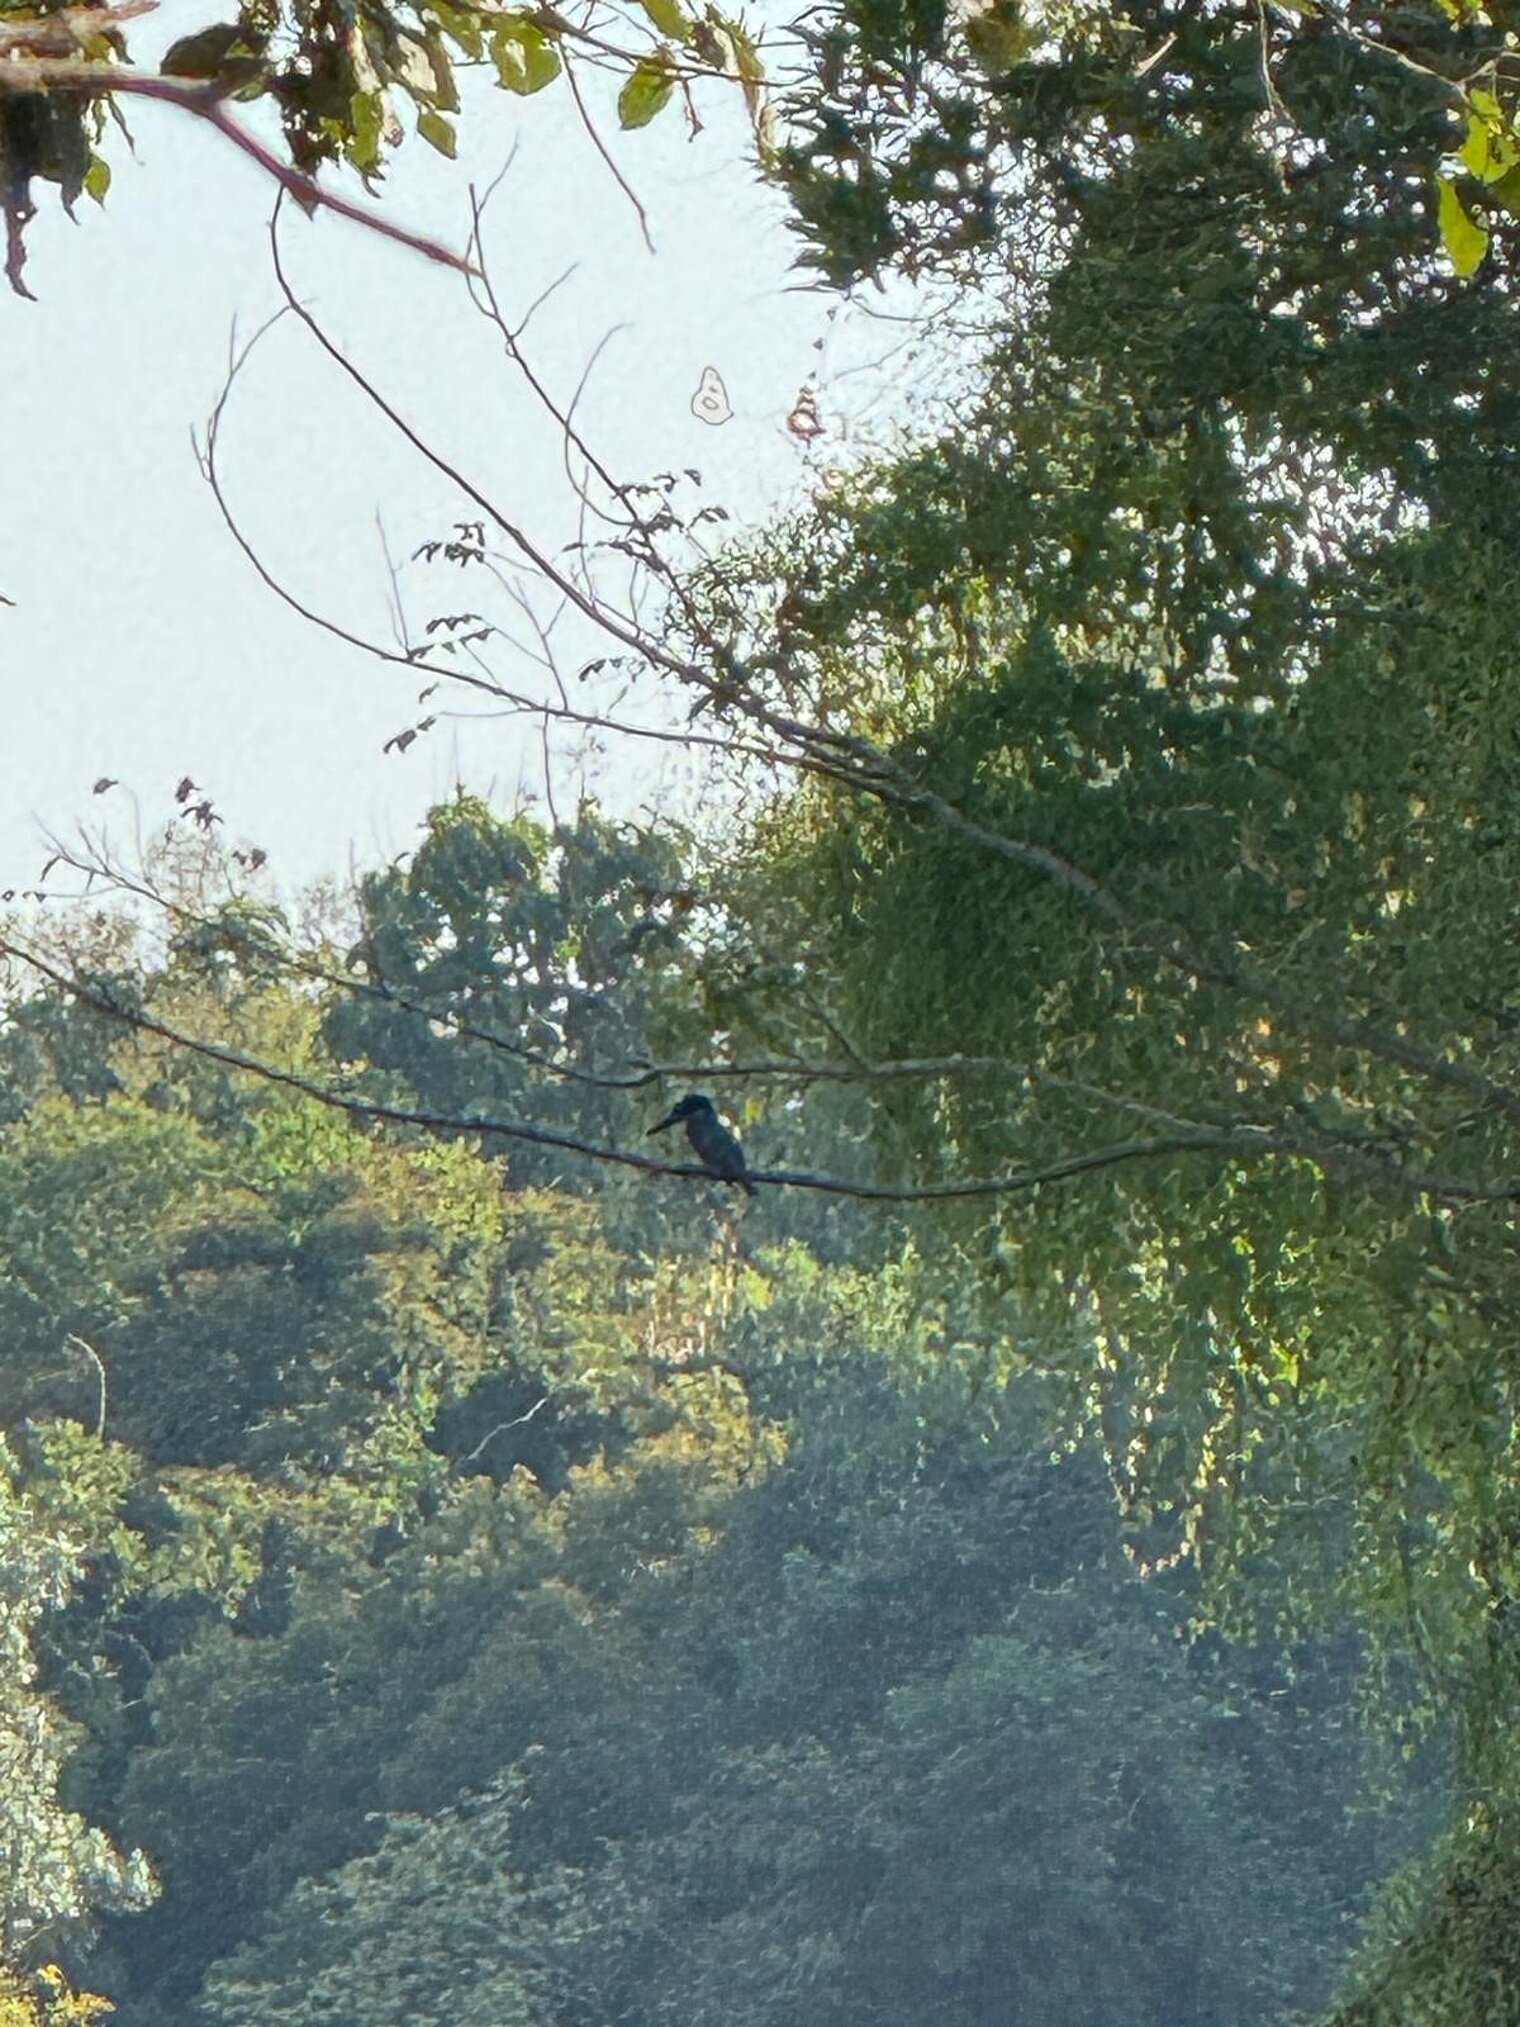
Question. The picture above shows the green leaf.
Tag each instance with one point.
(1507, 191)
(422, 69)
(437, 131)
(461, 27)
(72, 155)
(1465, 241)
(746, 58)
(670, 18)
(223, 50)
(443, 77)
(97, 178)
(367, 116)
(526, 60)
(1489, 152)
(648, 89)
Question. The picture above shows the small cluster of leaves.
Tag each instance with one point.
(51, 137)
(338, 79)
(48, 2000)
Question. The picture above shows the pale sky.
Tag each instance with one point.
(142, 646)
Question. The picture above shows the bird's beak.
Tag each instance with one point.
(668, 1120)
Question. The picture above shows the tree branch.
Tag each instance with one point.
(1245, 1143)
(208, 102)
(856, 764)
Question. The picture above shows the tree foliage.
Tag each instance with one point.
(1178, 667)
(525, 947)
(731, 1584)
(1149, 868)
(798, 1769)
(58, 1869)
(924, 135)
(345, 82)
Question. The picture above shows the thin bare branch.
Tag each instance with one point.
(1239, 1144)
(855, 763)
(601, 148)
(517, 702)
(501, 1428)
(537, 558)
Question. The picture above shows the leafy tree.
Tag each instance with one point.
(897, 1743)
(46, 2000)
(1160, 732)
(390, 1472)
(1441, 1945)
(924, 136)
(1177, 676)
(509, 971)
(484, 1956)
(394, 1683)
(58, 1869)
(525, 951)
(258, 1350)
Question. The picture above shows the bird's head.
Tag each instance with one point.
(694, 1103)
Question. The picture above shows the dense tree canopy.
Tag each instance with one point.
(1184, 655)
(499, 1584)
(489, 1598)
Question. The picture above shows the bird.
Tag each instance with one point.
(714, 1146)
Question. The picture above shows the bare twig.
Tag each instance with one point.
(416, 664)
(601, 148)
(501, 1428)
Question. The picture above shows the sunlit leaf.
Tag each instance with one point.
(670, 18)
(1489, 152)
(1465, 241)
(526, 60)
(647, 90)
(367, 111)
(437, 131)
(999, 39)
(460, 27)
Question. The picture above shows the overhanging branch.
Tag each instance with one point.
(1240, 1144)
(209, 102)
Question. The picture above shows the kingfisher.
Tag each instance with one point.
(714, 1146)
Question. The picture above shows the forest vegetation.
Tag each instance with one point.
(1054, 1554)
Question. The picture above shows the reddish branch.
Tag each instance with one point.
(208, 102)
